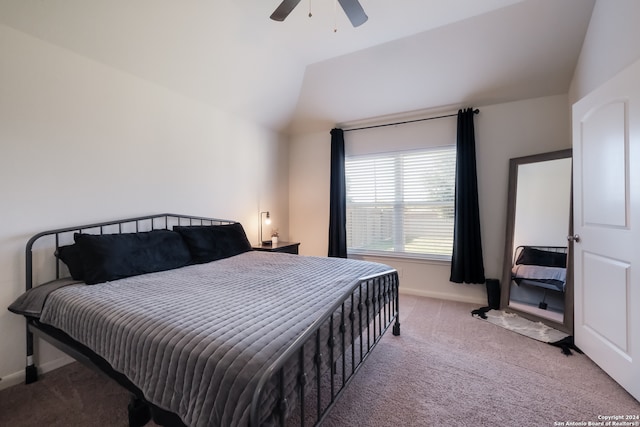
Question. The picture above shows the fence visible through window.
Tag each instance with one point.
(401, 202)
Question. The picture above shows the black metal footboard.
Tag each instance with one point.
(324, 363)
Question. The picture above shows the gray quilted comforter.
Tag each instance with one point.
(196, 339)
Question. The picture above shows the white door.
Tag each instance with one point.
(606, 150)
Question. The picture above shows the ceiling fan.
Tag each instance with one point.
(352, 8)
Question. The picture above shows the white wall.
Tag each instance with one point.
(610, 45)
(82, 142)
(503, 131)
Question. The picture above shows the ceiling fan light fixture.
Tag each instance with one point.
(352, 8)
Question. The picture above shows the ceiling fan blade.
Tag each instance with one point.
(354, 12)
(284, 10)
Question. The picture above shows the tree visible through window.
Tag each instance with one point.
(402, 202)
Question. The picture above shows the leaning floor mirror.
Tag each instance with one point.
(537, 276)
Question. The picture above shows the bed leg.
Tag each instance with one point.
(139, 413)
(396, 328)
(30, 371)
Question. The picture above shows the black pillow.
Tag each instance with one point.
(212, 242)
(115, 256)
(532, 256)
(72, 257)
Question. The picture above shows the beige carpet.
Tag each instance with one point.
(445, 369)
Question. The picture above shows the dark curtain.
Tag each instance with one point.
(466, 262)
(338, 196)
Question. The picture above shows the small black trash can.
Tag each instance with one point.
(493, 293)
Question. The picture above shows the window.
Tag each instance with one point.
(401, 202)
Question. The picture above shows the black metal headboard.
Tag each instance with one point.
(554, 249)
(62, 236)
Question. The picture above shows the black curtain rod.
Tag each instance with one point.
(476, 111)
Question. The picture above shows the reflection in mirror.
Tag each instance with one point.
(535, 279)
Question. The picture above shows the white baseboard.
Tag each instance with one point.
(443, 295)
(18, 377)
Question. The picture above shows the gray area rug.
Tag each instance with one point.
(445, 369)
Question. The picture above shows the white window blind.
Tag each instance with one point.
(401, 202)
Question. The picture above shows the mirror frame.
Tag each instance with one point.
(567, 324)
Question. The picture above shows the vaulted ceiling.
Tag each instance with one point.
(299, 74)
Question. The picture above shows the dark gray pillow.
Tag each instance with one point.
(115, 256)
(212, 242)
(72, 257)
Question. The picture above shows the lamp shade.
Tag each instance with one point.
(267, 221)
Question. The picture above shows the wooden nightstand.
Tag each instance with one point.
(286, 247)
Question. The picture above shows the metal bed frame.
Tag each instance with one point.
(555, 249)
(532, 282)
(356, 324)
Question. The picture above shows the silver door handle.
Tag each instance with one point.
(574, 238)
